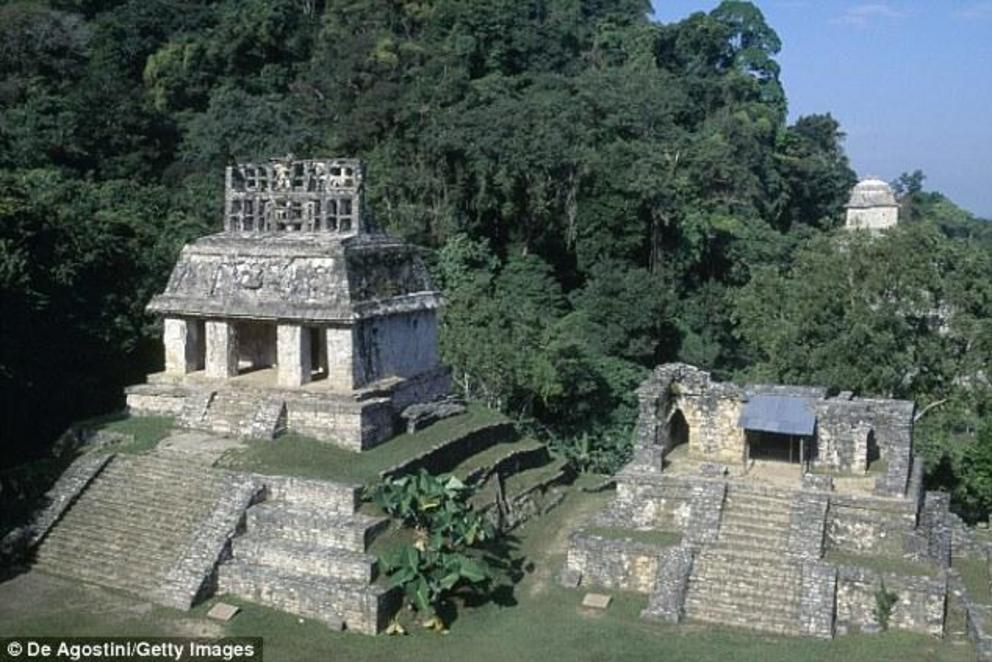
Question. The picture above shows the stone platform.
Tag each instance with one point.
(253, 405)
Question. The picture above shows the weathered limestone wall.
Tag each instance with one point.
(713, 418)
(293, 357)
(867, 525)
(156, 401)
(807, 526)
(816, 600)
(705, 511)
(872, 218)
(650, 500)
(341, 368)
(194, 574)
(894, 435)
(347, 424)
(400, 345)
(842, 429)
(919, 607)
(183, 340)
(222, 349)
(623, 565)
(667, 603)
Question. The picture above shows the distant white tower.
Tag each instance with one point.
(872, 206)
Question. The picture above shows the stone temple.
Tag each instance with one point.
(872, 206)
(298, 316)
(783, 509)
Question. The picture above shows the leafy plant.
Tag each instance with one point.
(885, 600)
(448, 553)
(602, 454)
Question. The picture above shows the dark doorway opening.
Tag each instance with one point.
(777, 447)
(318, 353)
(678, 430)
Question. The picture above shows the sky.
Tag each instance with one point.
(909, 80)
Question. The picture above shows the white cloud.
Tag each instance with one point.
(976, 11)
(863, 14)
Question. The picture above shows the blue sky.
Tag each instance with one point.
(909, 80)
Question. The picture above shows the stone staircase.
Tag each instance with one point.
(746, 578)
(304, 551)
(231, 413)
(132, 524)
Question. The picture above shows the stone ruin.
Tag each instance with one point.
(775, 508)
(298, 316)
(872, 206)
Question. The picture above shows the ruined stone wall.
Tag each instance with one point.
(842, 429)
(816, 600)
(347, 424)
(869, 525)
(671, 585)
(651, 500)
(713, 416)
(401, 345)
(894, 435)
(919, 607)
(619, 564)
(872, 218)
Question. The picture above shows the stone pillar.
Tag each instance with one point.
(183, 346)
(293, 355)
(341, 358)
(222, 349)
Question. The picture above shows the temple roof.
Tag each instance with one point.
(303, 277)
(872, 192)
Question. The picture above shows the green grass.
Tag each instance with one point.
(520, 482)
(296, 455)
(975, 575)
(884, 564)
(146, 430)
(546, 622)
(650, 537)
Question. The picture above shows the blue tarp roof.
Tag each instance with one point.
(778, 413)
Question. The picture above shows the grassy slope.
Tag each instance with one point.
(301, 456)
(545, 622)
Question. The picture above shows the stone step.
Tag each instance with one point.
(162, 500)
(734, 618)
(313, 525)
(750, 588)
(84, 542)
(743, 495)
(98, 565)
(132, 524)
(748, 574)
(139, 585)
(745, 606)
(756, 515)
(339, 498)
(772, 541)
(300, 557)
(112, 520)
(744, 555)
(363, 608)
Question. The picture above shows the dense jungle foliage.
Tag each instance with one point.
(597, 192)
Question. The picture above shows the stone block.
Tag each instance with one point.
(596, 601)
(222, 350)
(293, 355)
(183, 345)
(222, 611)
